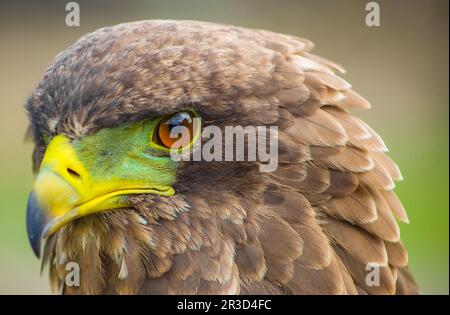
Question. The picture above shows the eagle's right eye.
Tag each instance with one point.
(175, 131)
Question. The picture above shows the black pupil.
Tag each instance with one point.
(178, 119)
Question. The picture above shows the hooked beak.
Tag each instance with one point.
(64, 191)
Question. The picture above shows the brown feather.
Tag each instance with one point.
(342, 184)
(357, 208)
(250, 262)
(385, 227)
(397, 254)
(362, 246)
(395, 205)
(350, 159)
(312, 281)
(360, 273)
(317, 252)
(318, 129)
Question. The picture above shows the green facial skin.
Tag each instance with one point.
(126, 153)
(97, 173)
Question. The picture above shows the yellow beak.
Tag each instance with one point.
(64, 191)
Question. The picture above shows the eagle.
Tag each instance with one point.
(109, 196)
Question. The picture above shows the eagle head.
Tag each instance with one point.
(109, 195)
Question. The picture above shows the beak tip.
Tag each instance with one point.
(35, 224)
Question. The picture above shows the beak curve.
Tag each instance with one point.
(36, 221)
(64, 190)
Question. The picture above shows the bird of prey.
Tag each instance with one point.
(108, 196)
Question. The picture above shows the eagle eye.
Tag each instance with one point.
(175, 131)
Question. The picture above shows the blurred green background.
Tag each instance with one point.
(401, 67)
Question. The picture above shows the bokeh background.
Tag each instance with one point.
(401, 67)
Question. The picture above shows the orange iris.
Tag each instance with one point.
(166, 126)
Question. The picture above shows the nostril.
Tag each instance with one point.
(73, 173)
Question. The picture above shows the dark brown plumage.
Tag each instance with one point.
(308, 228)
